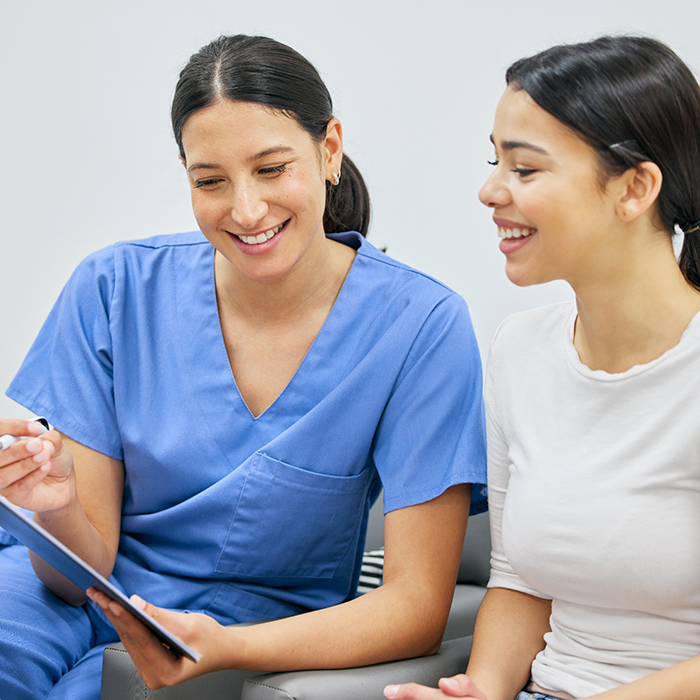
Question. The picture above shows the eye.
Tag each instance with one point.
(273, 169)
(492, 162)
(207, 183)
(524, 172)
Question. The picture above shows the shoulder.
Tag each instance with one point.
(528, 339)
(396, 278)
(143, 248)
(105, 272)
(141, 256)
(534, 328)
(166, 241)
(180, 245)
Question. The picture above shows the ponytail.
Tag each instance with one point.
(347, 203)
(690, 257)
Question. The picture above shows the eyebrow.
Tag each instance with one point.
(271, 151)
(261, 154)
(512, 145)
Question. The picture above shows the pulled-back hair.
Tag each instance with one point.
(262, 70)
(633, 100)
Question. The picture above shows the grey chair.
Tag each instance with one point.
(121, 682)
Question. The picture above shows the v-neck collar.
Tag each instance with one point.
(201, 334)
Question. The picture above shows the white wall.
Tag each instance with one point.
(86, 155)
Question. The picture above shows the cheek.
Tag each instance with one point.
(206, 211)
(307, 194)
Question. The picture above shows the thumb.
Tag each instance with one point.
(175, 622)
(147, 607)
(460, 686)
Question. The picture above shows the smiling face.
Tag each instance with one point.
(258, 185)
(553, 216)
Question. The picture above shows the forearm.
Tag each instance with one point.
(89, 516)
(383, 625)
(509, 633)
(71, 526)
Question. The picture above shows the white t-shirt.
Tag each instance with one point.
(594, 495)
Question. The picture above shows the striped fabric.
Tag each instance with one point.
(371, 572)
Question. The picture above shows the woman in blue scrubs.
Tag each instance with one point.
(228, 404)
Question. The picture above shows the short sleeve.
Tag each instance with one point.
(67, 375)
(432, 431)
(502, 574)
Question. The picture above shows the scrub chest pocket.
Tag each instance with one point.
(291, 522)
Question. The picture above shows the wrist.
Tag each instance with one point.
(65, 507)
(233, 648)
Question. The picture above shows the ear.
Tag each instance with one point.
(637, 190)
(183, 161)
(332, 149)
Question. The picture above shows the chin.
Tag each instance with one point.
(519, 277)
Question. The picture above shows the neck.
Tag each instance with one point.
(634, 314)
(316, 277)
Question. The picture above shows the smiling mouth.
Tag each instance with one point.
(515, 232)
(261, 237)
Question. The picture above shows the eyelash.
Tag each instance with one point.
(274, 170)
(522, 172)
(204, 183)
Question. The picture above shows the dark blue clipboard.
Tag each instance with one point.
(53, 552)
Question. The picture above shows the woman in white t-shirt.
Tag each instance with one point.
(593, 406)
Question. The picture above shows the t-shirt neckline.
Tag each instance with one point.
(635, 370)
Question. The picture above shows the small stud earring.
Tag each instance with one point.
(335, 178)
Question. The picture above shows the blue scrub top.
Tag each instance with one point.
(250, 518)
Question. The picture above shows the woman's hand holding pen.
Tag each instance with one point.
(36, 473)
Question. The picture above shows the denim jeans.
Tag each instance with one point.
(527, 695)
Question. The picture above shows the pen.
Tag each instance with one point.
(7, 440)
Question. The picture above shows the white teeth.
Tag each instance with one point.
(261, 237)
(515, 232)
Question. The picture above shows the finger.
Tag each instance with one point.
(24, 459)
(460, 686)
(19, 489)
(156, 664)
(18, 427)
(413, 691)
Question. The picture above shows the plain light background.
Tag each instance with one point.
(87, 157)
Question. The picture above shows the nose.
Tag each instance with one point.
(494, 192)
(248, 208)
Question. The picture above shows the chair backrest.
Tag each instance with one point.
(475, 565)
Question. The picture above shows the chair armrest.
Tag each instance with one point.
(365, 683)
(120, 681)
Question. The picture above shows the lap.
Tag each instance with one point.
(45, 642)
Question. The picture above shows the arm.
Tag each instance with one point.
(75, 493)
(509, 633)
(404, 617)
(90, 524)
(513, 617)
(512, 620)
